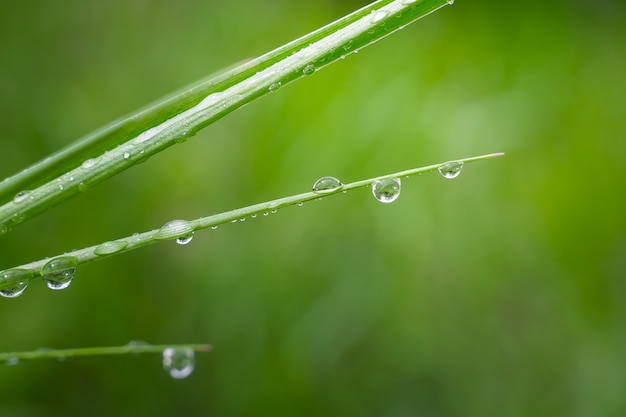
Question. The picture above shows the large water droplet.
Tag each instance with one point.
(174, 229)
(386, 191)
(179, 362)
(108, 248)
(309, 69)
(183, 240)
(451, 169)
(326, 185)
(59, 272)
(13, 282)
(21, 196)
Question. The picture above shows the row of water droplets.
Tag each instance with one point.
(58, 273)
(178, 362)
(386, 190)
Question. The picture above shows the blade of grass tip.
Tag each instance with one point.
(293, 61)
(14, 281)
(130, 348)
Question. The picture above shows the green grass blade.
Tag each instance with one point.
(182, 229)
(62, 354)
(133, 140)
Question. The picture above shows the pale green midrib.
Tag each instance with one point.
(135, 241)
(352, 36)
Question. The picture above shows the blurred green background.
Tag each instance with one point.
(499, 293)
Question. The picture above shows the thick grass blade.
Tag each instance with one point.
(134, 139)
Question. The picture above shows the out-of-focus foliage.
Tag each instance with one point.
(501, 292)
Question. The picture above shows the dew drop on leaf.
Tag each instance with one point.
(179, 362)
(59, 272)
(386, 191)
(326, 185)
(174, 229)
(108, 248)
(451, 169)
(21, 196)
(309, 69)
(183, 240)
(13, 282)
(89, 163)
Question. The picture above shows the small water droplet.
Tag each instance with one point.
(273, 211)
(326, 185)
(108, 248)
(274, 86)
(126, 155)
(451, 2)
(451, 169)
(17, 218)
(253, 216)
(234, 221)
(21, 196)
(213, 227)
(61, 187)
(174, 229)
(89, 163)
(59, 272)
(13, 282)
(309, 69)
(183, 240)
(179, 362)
(12, 361)
(386, 191)
(300, 204)
(243, 219)
(265, 213)
(82, 187)
(378, 15)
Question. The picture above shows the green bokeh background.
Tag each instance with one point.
(499, 293)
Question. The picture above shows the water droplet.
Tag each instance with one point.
(253, 216)
(378, 15)
(451, 2)
(234, 221)
(21, 196)
(386, 191)
(108, 248)
(89, 163)
(326, 185)
(183, 240)
(451, 169)
(243, 219)
(265, 213)
(17, 218)
(61, 187)
(309, 69)
(126, 155)
(59, 272)
(12, 361)
(13, 282)
(300, 204)
(274, 211)
(213, 227)
(274, 86)
(179, 362)
(82, 187)
(174, 229)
